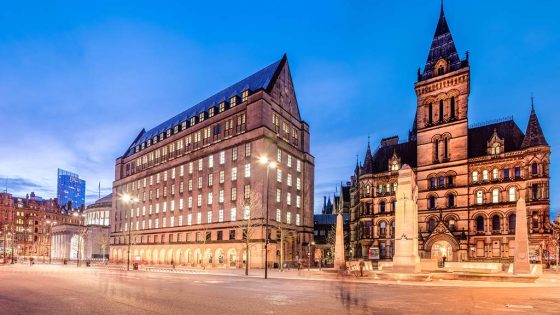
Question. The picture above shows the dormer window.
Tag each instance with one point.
(137, 148)
(244, 95)
(154, 140)
(161, 136)
(394, 163)
(440, 70)
(184, 125)
(168, 132)
(440, 67)
(496, 144)
(176, 129)
(395, 166)
(143, 145)
(233, 101)
(149, 143)
(193, 121)
(201, 117)
(211, 112)
(222, 107)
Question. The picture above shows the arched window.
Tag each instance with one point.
(382, 207)
(496, 223)
(440, 111)
(479, 197)
(440, 70)
(511, 222)
(480, 224)
(485, 175)
(496, 148)
(512, 194)
(430, 114)
(452, 107)
(475, 176)
(431, 202)
(534, 169)
(431, 224)
(451, 200)
(451, 225)
(495, 173)
(446, 148)
(433, 182)
(535, 220)
(436, 150)
(495, 195)
(394, 205)
(393, 229)
(395, 166)
(382, 228)
(441, 182)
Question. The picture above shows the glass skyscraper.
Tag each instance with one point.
(70, 188)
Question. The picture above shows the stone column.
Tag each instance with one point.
(339, 243)
(521, 259)
(406, 257)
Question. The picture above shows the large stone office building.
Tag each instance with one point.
(469, 177)
(198, 180)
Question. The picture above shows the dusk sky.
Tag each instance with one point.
(78, 81)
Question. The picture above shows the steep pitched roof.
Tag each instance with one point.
(379, 162)
(534, 135)
(507, 130)
(442, 47)
(260, 80)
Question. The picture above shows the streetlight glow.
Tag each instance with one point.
(263, 160)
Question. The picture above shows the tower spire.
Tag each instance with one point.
(534, 135)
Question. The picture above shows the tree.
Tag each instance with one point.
(331, 240)
(203, 239)
(252, 221)
(103, 241)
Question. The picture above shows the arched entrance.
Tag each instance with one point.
(220, 259)
(442, 249)
(232, 257)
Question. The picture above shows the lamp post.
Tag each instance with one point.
(268, 164)
(129, 200)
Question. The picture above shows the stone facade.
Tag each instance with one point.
(469, 177)
(197, 180)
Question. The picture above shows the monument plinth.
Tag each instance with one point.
(339, 243)
(406, 257)
(521, 259)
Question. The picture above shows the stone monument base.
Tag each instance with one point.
(405, 264)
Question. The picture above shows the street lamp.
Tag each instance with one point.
(268, 164)
(129, 200)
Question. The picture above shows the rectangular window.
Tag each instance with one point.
(221, 196)
(233, 214)
(298, 201)
(233, 194)
(172, 205)
(210, 198)
(298, 165)
(181, 204)
(297, 219)
(165, 175)
(289, 180)
(190, 184)
(200, 165)
(221, 215)
(173, 173)
(199, 200)
(199, 218)
(278, 215)
(189, 219)
(189, 202)
(157, 207)
(247, 149)
(211, 161)
(199, 182)
(234, 154)
(288, 218)
(278, 195)
(222, 157)
(222, 177)
(181, 170)
(180, 220)
(247, 191)
(231, 234)
(279, 175)
(164, 222)
(210, 180)
(171, 221)
(248, 170)
(246, 213)
(298, 183)
(190, 167)
(234, 173)
(288, 198)
(164, 206)
(209, 217)
(289, 163)
(279, 156)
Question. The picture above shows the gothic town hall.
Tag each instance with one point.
(469, 177)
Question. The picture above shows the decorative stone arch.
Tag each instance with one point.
(208, 257)
(161, 259)
(436, 137)
(453, 92)
(188, 259)
(170, 258)
(178, 256)
(220, 258)
(155, 256)
(474, 218)
(232, 257)
(442, 238)
(197, 256)
(428, 100)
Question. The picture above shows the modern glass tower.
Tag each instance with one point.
(70, 188)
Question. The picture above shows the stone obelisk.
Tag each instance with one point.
(406, 257)
(339, 243)
(521, 259)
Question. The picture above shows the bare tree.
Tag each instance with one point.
(252, 221)
(202, 240)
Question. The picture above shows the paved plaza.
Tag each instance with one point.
(56, 289)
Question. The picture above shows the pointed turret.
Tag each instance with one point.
(533, 135)
(368, 161)
(443, 48)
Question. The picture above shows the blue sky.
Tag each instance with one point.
(78, 81)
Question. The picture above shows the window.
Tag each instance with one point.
(534, 169)
(222, 177)
(495, 195)
(210, 180)
(441, 182)
(233, 193)
(279, 156)
(382, 229)
(298, 183)
(451, 200)
(395, 166)
(222, 157)
(480, 224)
(288, 198)
(199, 200)
(233, 101)
(234, 154)
(496, 223)
(247, 149)
(247, 170)
(288, 218)
(278, 195)
(199, 218)
(209, 217)
(495, 174)
(430, 113)
(289, 180)
(297, 219)
(485, 175)
(506, 173)
(246, 213)
(244, 95)
(452, 107)
(221, 196)
(210, 198)
(534, 191)
(517, 171)
(511, 222)
(278, 175)
(433, 182)
(298, 165)
(189, 202)
(431, 202)
(431, 224)
(189, 219)
(298, 201)
(211, 161)
(247, 191)
(278, 215)
(289, 162)
(234, 173)
(512, 194)
(495, 149)
(233, 214)
(479, 197)
(199, 182)
(475, 176)
(441, 107)
(382, 206)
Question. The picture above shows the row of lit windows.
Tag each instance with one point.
(197, 219)
(222, 106)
